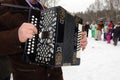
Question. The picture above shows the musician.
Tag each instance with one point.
(15, 30)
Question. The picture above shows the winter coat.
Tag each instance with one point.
(93, 26)
(100, 26)
(5, 67)
(116, 32)
(10, 21)
(87, 27)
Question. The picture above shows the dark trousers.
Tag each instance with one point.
(7, 78)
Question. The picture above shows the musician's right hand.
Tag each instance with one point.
(83, 41)
(26, 30)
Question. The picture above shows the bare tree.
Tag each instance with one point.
(106, 10)
(50, 3)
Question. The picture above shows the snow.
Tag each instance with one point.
(99, 61)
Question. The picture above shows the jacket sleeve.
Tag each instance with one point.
(9, 25)
(9, 43)
(11, 18)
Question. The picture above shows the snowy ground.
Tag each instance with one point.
(99, 61)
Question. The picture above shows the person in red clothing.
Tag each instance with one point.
(15, 30)
(109, 31)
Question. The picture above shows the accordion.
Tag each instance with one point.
(58, 38)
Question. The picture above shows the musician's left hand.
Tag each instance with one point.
(83, 41)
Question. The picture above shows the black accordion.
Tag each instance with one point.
(58, 38)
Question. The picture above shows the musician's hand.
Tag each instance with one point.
(26, 31)
(83, 41)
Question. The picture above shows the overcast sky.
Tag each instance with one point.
(75, 5)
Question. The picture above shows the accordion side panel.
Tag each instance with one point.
(59, 36)
(68, 39)
(71, 41)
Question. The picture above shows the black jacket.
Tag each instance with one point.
(116, 32)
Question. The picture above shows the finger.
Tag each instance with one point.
(83, 46)
(32, 28)
(30, 32)
(29, 36)
(83, 43)
(83, 40)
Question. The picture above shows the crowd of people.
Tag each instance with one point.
(109, 30)
(15, 30)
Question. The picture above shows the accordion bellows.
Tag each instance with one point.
(58, 38)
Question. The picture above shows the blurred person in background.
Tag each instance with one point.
(93, 27)
(87, 27)
(116, 34)
(99, 30)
